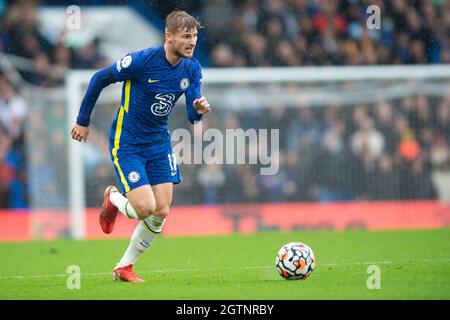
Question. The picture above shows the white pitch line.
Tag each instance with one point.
(63, 275)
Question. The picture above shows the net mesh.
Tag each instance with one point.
(338, 141)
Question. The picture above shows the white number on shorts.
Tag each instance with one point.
(172, 162)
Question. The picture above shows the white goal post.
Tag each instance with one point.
(244, 86)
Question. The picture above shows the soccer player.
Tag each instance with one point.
(140, 145)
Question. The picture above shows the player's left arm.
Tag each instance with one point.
(196, 104)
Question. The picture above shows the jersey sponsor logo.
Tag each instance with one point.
(134, 176)
(184, 83)
(164, 104)
(152, 80)
(124, 63)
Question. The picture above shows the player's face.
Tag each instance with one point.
(183, 42)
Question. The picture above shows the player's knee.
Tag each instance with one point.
(144, 209)
(162, 212)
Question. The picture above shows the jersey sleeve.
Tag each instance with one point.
(192, 93)
(127, 68)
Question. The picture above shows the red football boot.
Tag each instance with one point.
(126, 274)
(108, 213)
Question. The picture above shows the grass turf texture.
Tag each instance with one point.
(413, 264)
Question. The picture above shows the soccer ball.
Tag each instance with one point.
(295, 261)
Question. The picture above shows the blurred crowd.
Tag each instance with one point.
(386, 150)
(381, 151)
(13, 173)
(304, 32)
(321, 32)
(44, 64)
(375, 151)
(47, 62)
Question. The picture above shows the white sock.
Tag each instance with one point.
(143, 236)
(123, 204)
(154, 223)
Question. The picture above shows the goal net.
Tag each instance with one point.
(345, 134)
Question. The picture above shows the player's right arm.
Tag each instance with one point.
(98, 82)
(124, 69)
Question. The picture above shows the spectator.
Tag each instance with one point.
(440, 159)
(212, 178)
(280, 186)
(384, 184)
(13, 110)
(418, 181)
(89, 57)
(216, 15)
(304, 126)
(367, 141)
(6, 170)
(222, 56)
(408, 147)
(333, 165)
(442, 126)
(302, 185)
(384, 123)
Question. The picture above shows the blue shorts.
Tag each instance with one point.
(135, 169)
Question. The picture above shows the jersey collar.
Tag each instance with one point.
(167, 61)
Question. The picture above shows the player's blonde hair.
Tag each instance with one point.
(179, 19)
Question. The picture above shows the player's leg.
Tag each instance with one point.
(163, 194)
(145, 233)
(148, 229)
(139, 201)
(162, 173)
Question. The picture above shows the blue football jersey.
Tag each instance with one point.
(152, 85)
(140, 145)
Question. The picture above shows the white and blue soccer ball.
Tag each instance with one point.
(295, 261)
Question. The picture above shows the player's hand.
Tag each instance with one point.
(79, 133)
(201, 106)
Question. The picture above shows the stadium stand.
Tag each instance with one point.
(386, 150)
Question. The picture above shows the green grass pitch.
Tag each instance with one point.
(413, 265)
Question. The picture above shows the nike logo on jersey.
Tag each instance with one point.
(151, 80)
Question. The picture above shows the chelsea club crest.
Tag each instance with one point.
(134, 176)
(184, 83)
